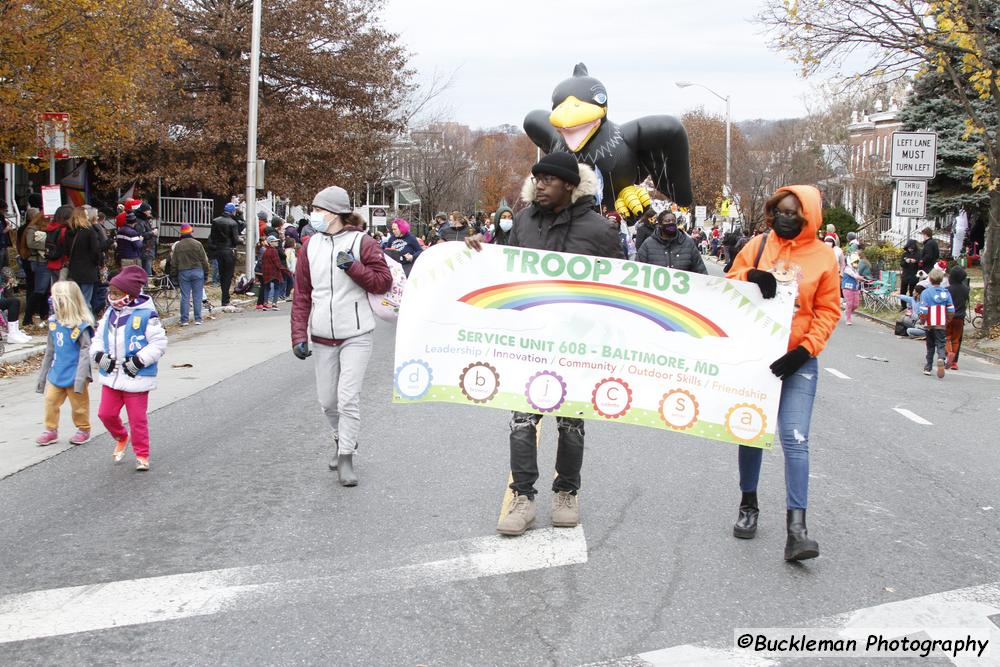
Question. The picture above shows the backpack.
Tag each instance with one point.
(900, 328)
(243, 284)
(54, 244)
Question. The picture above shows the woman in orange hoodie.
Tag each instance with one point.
(791, 252)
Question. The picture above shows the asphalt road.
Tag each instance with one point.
(239, 480)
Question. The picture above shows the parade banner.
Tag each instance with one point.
(593, 338)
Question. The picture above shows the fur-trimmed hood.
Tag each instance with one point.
(587, 186)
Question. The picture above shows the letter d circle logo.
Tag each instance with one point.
(413, 379)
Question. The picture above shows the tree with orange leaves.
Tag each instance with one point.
(98, 60)
(503, 160)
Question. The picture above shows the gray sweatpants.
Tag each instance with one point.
(340, 372)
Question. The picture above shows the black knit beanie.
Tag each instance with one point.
(561, 165)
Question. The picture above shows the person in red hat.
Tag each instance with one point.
(129, 342)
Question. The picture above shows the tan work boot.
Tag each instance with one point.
(565, 510)
(519, 517)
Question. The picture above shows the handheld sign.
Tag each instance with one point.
(51, 199)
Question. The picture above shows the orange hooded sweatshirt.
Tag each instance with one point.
(818, 304)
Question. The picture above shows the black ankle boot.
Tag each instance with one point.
(345, 469)
(336, 454)
(799, 546)
(746, 524)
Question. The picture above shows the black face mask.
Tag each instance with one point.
(787, 226)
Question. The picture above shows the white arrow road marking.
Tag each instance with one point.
(912, 416)
(834, 372)
(61, 611)
(947, 615)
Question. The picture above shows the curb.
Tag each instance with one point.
(23, 355)
(964, 349)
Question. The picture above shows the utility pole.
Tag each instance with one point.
(729, 149)
(250, 212)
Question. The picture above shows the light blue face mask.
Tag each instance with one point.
(318, 221)
(506, 224)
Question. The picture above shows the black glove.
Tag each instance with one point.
(104, 362)
(765, 281)
(786, 365)
(301, 350)
(345, 260)
(132, 366)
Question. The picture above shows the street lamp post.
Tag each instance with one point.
(729, 131)
(250, 212)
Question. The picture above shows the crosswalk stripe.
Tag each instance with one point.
(939, 616)
(834, 372)
(61, 611)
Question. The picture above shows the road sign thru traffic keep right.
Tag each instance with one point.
(911, 198)
(914, 155)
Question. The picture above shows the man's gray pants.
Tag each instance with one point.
(340, 373)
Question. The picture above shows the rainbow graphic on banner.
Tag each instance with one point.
(666, 313)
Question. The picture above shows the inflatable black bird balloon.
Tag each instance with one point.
(622, 155)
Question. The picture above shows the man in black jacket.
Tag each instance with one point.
(670, 247)
(930, 253)
(561, 217)
(222, 242)
(644, 228)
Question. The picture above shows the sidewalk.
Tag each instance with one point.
(216, 351)
(967, 344)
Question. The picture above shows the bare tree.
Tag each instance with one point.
(442, 173)
(788, 152)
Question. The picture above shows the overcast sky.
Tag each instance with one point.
(508, 55)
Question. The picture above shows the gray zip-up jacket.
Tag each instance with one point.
(679, 253)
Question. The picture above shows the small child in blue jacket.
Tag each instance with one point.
(65, 371)
(936, 310)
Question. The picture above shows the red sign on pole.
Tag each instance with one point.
(53, 135)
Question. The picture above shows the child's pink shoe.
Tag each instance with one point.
(119, 452)
(80, 437)
(47, 438)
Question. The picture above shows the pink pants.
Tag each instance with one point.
(135, 404)
(852, 298)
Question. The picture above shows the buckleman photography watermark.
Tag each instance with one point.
(965, 643)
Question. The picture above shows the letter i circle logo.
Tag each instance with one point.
(545, 391)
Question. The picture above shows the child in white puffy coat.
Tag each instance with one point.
(127, 346)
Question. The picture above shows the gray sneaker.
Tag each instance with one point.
(520, 516)
(565, 510)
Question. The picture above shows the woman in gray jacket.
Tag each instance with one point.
(668, 246)
(337, 268)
